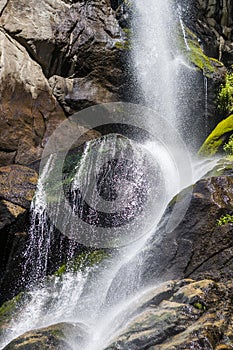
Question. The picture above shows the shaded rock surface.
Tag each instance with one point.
(179, 315)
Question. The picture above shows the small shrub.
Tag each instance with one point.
(228, 147)
(225, 96)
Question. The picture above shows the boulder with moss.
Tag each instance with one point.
(219, 136)
(56, 337)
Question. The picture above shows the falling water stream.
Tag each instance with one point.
(89, 296)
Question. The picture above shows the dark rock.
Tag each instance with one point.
(17, 188)
(80, 93)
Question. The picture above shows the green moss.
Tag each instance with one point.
(83, 261)
(195, 54)
(225, 219)
(122, 45)
(225, 95)
(200, 306)
(217, 138)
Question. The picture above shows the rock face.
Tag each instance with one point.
(29, 112)
(80, 46)
(215, 26)
(180, 315)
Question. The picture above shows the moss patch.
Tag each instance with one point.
(83, 261)
(217, 138)
(225, 219)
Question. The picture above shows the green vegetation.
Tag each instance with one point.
(199, 306)
(225, 219)
(215, 141)
(228, 147)
(83, 261)
(225, 95)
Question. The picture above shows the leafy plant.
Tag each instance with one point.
(228, 147)
(225, 96)
(225, 219)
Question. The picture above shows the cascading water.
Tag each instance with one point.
(153, 55)
(90, 295)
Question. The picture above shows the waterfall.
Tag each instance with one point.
(153, 55)
(206, 104)
(90, 296)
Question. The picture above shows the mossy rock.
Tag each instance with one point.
(8, 310)
(50, 338)
(215, 141)
(193, 52)
(83, 261)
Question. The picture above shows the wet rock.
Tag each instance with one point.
(198, 246)
(9, 213)
(179, 315)
(7, 311)
(55, 337)
(194, 247)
